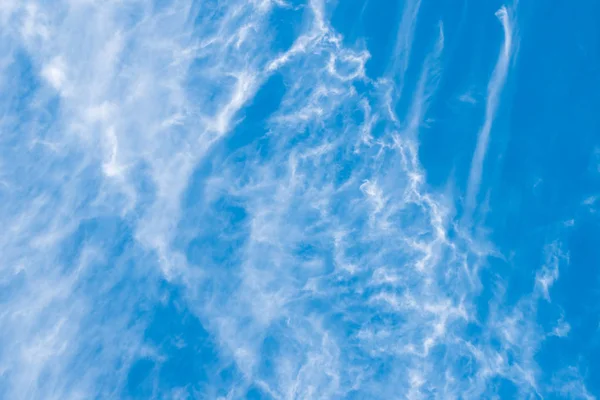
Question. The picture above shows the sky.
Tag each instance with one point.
(284, 199)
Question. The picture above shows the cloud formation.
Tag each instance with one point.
(202, 202)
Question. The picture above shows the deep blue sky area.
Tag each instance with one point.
(277, 199)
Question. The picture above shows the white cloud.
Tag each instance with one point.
(322, 237)
(495, 86)
(562, 329)
(55, 73)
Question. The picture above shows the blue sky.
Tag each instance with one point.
(273, 199)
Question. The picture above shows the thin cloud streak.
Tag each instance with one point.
(494, 91)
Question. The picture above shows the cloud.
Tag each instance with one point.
(312, 260)
(569, 383)
(494, 90)
(74, 197)
(545, 278)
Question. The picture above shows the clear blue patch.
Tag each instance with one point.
(256, 114)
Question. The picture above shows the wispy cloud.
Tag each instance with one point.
(314, 259)
(494, 91)
(97, 151)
